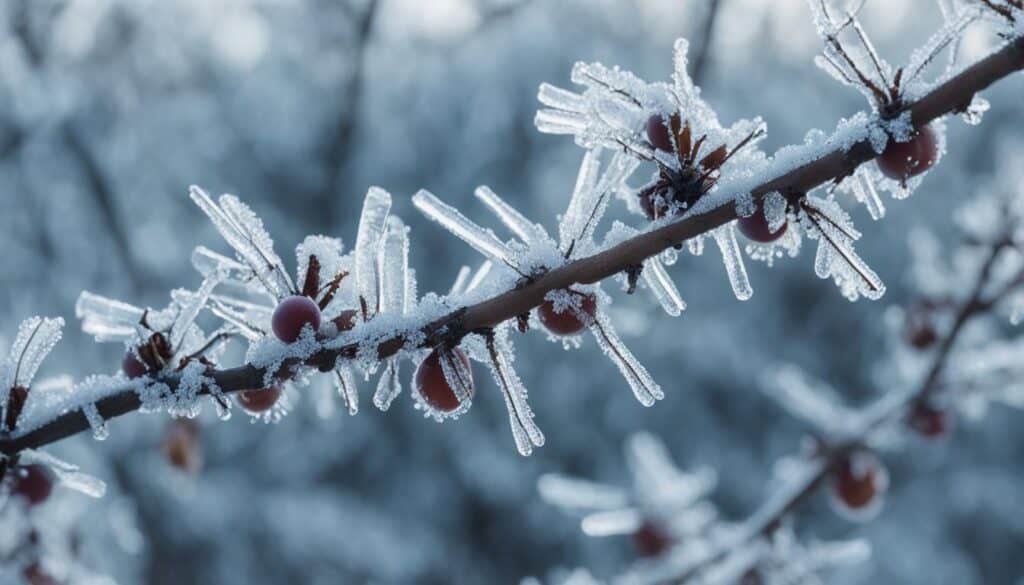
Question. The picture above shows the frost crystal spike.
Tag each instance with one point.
(725, 237)
(107, 319)
(483, 241)
(527, 231)
(526, 433)
(646, 390)
(36, 337)
(661, 286)
(244, 232)
(372, 223)
(826, 222)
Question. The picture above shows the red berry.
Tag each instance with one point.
(182, 447)
(919, 327)
(858, 480)
(651, 541)
(35, 574)
(33, 482)
(432, 385)
(131, 366)
(261, 400)
(568, 322)
(346, 320)
(930, 421)
(292, 314)
(902, 160)
(660, 135)
(755, 227)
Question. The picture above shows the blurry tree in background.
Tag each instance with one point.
(110, 109)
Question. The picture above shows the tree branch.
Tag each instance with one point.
(951, 96)
(770, 515)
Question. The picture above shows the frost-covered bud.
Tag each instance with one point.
(292, 314)
(34, 483)
(260, 400)
(131, 366)
(858, 482)
(568, 320)
(433, 386)
(902, 160)
(651, 540)
(755, 226)
(930, 421)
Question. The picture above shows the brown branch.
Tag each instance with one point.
(946, 98)
(771, 514)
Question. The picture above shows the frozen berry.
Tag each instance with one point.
(35, 574)
(650, 540)
(660, 135)
(902, 160)
(182, 447)
(432, 385)
(755, 227)
(346, 320)
(261, 400)
(930, 421)
(33, 482)
(858, 480)
(568, 321)
(131, 366)
(292, 314)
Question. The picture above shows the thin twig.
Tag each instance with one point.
(771, 513)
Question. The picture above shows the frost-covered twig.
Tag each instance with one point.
(792, 173)
(828, 456)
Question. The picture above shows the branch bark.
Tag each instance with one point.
(951, 96)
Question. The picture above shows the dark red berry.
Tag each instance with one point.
(919, 327)
(902, 160)
(930, 421)
(292, 314)
(650, 540)
(33, 482)
(432, 385)
(857, 480)
(755, 227)
(261, 400)
(131, 366)
(182, 447)
(346, 320)
(568, 322)
(660, 135)
(35, 574)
